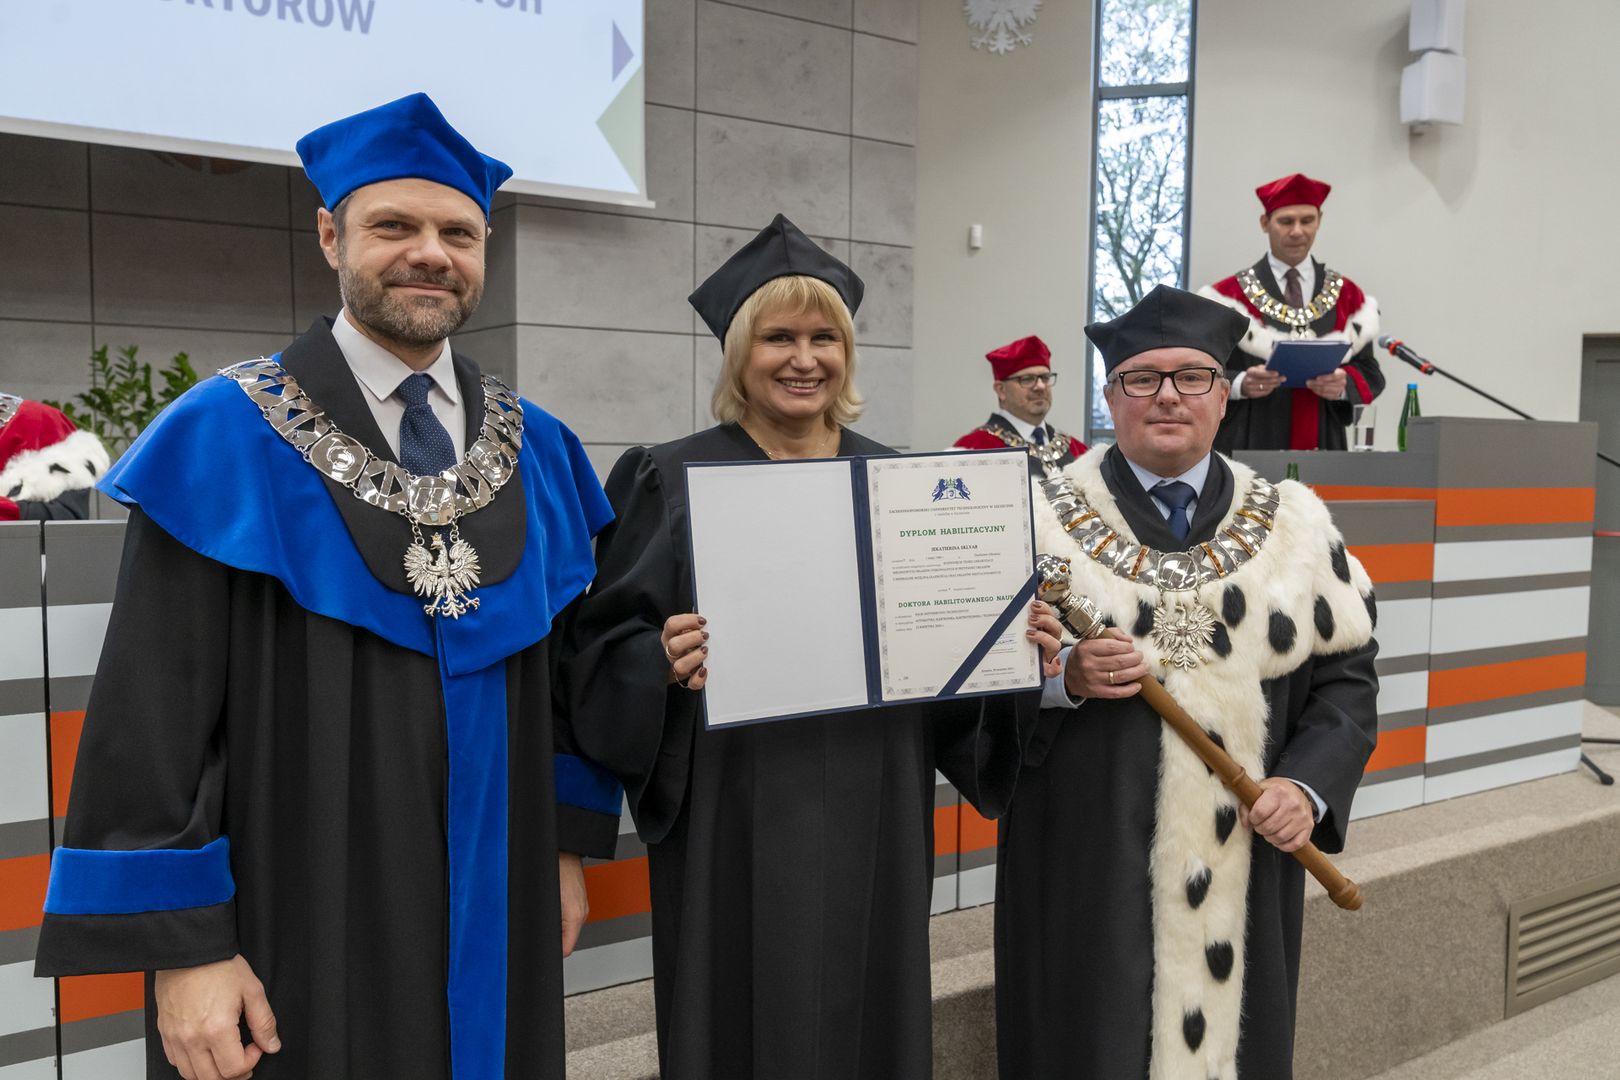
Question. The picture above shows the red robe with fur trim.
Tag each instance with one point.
(987, 438)
(1297, 419)
(47, 465)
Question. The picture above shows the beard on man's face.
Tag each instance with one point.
(410, 320)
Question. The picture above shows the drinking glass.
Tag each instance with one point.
(1363, 424)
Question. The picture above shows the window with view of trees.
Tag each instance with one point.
(1141, 153)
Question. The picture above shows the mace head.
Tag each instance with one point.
(1054, 575)
(1078, 613)
(1084, 618)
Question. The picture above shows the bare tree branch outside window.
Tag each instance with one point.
(1138, 234)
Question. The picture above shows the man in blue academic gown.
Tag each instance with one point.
(321, 788)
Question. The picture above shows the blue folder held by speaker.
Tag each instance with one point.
(1301, 361)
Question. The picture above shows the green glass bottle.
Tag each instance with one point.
(1293, 470)
(1409, 410)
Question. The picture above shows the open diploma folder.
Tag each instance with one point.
(1303, 360)
(852, 582)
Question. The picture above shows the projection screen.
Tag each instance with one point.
(552, 87)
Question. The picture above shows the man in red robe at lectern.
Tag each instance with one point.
(1024, 381)
(1288, 295)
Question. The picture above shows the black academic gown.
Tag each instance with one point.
(1265, 423)
(68, 506)
(1074, 931)
(791, 862)
(223, 708)
(996, 433)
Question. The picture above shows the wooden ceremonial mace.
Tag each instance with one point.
(1081, 616)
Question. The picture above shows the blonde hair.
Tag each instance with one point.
(789, 296)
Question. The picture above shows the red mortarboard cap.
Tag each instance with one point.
(1295, 190)
(1025, 352)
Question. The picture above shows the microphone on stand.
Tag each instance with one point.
(1400, 349)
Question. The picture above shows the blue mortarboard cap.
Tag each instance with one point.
(404, 139)
(779, 250)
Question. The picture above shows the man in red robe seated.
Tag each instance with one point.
(1288, 295)
(47, 465)
(1023, 384)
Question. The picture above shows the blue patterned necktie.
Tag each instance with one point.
(1176, 495)
(1038, 437)
(425, 448)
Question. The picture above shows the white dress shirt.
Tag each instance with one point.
(1193, 477)
(1025, 429)
(1307, 275)
(1307, 289)
(379, 373)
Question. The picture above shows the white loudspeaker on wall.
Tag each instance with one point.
(1436, 24)
(1434, 87)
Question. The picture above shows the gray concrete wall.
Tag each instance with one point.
(116, 246)
(1005, 142)
(802, 106)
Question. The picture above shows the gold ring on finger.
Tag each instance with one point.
(1110, 678)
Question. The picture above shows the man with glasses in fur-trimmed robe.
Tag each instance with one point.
(1146, 925)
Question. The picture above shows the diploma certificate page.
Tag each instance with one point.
(952, 544)
(776, 572)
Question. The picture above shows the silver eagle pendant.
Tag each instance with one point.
(445, 575)
(1182, 632)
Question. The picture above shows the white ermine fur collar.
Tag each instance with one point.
(1301, 595)
(1361, 330)
(73, 464)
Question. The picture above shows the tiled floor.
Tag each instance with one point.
(1575, 1037)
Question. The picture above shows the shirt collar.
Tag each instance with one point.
(1307, 274)
(1194, 476)
(1025, 430)
(380, 371)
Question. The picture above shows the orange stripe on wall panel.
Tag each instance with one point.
(1396, 562)
(66, 727)
(1404, 746)
(1353, 492)
(1512, 506)
(1461, 686)
(85, 997)
(618, 888)
(977, 832)
(1481, 506)
(22, 890)
(945, 829)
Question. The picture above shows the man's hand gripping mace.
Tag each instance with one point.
(1083, 618)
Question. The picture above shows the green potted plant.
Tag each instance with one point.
(122, 400)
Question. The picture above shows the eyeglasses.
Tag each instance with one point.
(1145, 382)
(1027, 381)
